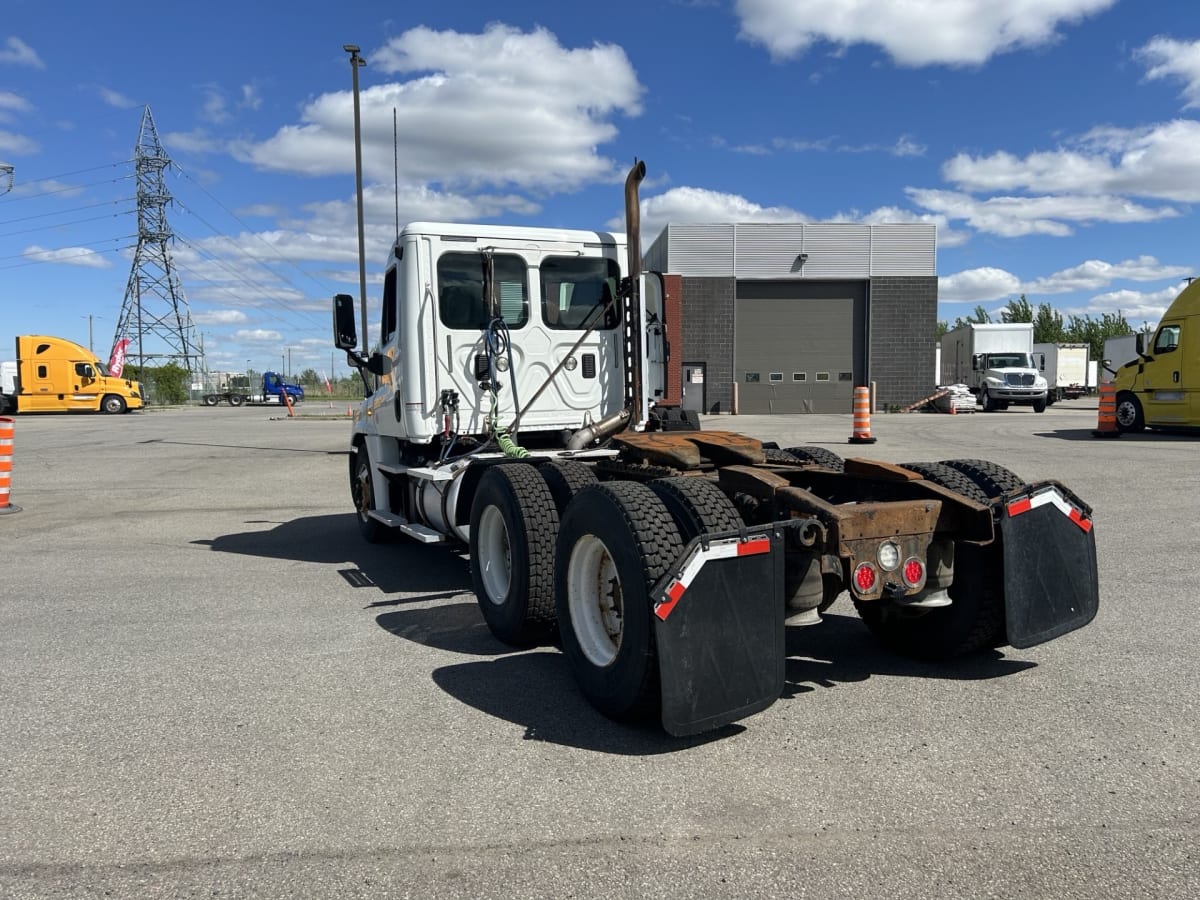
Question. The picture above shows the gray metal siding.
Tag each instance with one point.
(770, 251)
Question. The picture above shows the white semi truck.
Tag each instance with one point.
(995, 360)
(516, 405)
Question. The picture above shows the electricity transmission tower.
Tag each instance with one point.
(155, 318)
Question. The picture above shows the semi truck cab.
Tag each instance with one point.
(1161, 388)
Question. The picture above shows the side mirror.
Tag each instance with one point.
(345, 334)
(977, 362)
(85, 370)
(1139, 342)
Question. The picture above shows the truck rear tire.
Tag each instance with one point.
(514, 523)
(819, 456)
(236, 399)
(566, 479)
(697, 506)
(210, 399)
(112, 404)
(992, 479)
(362, 493)
(1130, 417)
(616, 540)
(975, 618)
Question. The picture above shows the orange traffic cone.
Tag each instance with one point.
(7, 428)
(1106, 421)
(861, 432)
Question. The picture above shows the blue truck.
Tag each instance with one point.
(236, 391)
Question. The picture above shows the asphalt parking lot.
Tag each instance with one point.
(210, 686)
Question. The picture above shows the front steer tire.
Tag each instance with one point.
(362, 494)
(514, 523)
(616, 540)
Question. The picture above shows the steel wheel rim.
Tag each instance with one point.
(1126, 414)
(365, 498)
(495, 553)
(595, 600)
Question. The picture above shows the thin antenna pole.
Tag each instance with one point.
(396, 163)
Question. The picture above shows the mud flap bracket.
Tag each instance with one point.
(719, 625)
(1051, 585)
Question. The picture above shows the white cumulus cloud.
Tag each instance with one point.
(915, 33)
(1168, 58)
(977, 285)
(503, 107)
(70, 256)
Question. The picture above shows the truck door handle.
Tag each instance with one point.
(1175, 376)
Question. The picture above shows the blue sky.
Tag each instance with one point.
(1055, 143)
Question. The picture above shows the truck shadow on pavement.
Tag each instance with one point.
(389, 567)
(427, 595)
(841, 651)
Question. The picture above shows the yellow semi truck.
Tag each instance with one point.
(57, 375)
(1161, 388)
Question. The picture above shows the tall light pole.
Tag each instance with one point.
(91, 346)
(355, 62)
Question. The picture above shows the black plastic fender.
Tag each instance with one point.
(719, 626)
(1051, 585)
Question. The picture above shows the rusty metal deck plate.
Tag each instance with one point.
(685, 449)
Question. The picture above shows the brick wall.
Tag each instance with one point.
(903, 324)
(708, 337)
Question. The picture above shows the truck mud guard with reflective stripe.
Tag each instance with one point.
(718, 619)
(1051, 585)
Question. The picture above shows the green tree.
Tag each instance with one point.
(979, 317)
(166, 385)
(1048, 326)
(1093, 332)
(310, 379)
(1017, 310)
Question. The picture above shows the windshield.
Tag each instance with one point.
(1009, 361)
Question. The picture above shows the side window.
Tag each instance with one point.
(387, 328)
(575, 289)
(1167, 340)
(461, 301)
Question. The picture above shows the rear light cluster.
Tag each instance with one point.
(866, 575)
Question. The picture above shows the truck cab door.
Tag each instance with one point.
(1165, 392)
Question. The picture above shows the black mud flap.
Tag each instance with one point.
(1050, 581)
(720, 632)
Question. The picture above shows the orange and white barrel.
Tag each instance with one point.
(861, 429)
(7, 432)
(1106, 420)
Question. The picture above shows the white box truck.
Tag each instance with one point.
(994, 360)
(1065, 368)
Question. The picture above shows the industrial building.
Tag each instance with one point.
(790, 318)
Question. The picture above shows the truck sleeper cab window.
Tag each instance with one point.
(461, 300)
(576, 288)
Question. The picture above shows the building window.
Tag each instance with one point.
(799, 376)
(752, 378)
(822, 376)
(776, 376)
(845, 376)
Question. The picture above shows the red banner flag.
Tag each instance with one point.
(117, 364)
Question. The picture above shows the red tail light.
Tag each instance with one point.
(914, 572)
(864, 578)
